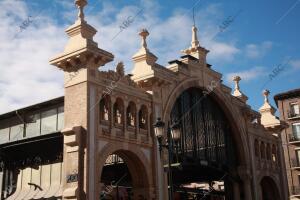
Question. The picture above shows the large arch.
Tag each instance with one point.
(269, 189)
(231, 112)
(237, 180)
(137, 163)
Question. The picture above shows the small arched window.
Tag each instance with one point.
(268, 152)
(105, 107)
(256, 148)
(262, 150)
(131, 114)
(118, 111)
(143, 117)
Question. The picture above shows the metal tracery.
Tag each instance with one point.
(206, 135)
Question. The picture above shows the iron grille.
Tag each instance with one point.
(206, 135)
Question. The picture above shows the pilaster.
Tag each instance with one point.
(246, 177)
(236, 191)
(74, 145)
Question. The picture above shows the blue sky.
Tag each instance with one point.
(263, 36)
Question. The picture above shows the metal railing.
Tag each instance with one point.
(292, 114)
(293, 138)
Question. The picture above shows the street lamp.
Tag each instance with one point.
(173, 134)
(174, 131)
(159, 129)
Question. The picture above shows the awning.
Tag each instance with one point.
(56, 180)
(42, 183)
(45, 181)
(61, 187)
(19, 187)
(35, 182)
(26, 178)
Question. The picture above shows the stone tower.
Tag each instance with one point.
(80, 61)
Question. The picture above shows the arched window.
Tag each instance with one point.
(262, 150)
(256, 148)
(143, 117)
(268, 152)
(119, 111)
(274, 154)
(131, 114)
(105, 105)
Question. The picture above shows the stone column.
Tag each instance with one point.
(247, 188)
(161, 178)
(125, 122)
(245, 175)
(137, 122)
(254, 166)
(149, 124)
(259, 193)
(112, 118)
(236, 191)
(74, 144)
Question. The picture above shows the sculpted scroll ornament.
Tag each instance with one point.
(119, 75)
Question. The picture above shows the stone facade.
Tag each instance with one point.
(111, 113)
(116, 128)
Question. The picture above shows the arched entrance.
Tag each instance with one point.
(116, 179)
(269, 190)
(206, 152)
(124, 177)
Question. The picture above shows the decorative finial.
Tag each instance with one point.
(268, 117)
(143, 55)
(195, 42)
(80, 5)
(144, 34)
(237, 92)
(266, 95)
(237, 80)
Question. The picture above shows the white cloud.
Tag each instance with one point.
(223, 51)
(295, 64)
(247, 75)
(167, 37)
(258, 50)
(27, 78)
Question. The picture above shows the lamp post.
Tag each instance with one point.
(173, 134)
